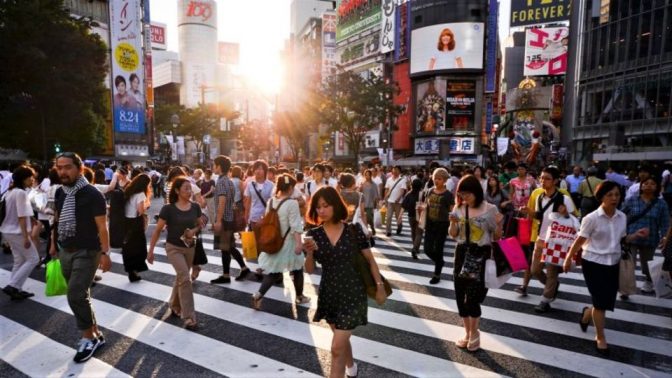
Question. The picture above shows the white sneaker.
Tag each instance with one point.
(302, 300)
(647, 288)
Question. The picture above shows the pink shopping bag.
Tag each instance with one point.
(514, 253)
(524, 230)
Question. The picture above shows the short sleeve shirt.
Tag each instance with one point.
(177, 221)
(258, 208)
(224, 187)
(89, 204)
(131, 208)
(17, 205)
(396, 189)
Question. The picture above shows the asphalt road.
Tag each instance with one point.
(413, 334)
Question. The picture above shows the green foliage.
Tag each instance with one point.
(256, 138)
(352, 104)
(52, 70)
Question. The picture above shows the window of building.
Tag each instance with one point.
(663, 104)
(622, 39)
(634, 38)
(623, 8)
(668, 30)
(602, 45)
(658, 28)
(613, 44)
(645, 35)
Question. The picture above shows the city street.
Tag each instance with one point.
(413, 334)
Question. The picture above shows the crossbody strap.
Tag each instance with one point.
(590, 187)
(639, 216)
(254, 186)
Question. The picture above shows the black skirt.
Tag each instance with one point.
(134, 248)
(602, 282)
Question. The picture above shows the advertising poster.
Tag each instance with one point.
(535, 12)
(355, 16)
(402, 36)
(460, 105)
(430, 107)
(443, 47)
(328, 44)
(128, 100)
(546, 51)
(491, 48)
(387, 27)
(158, 34)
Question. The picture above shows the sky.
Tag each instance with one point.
(260, 26)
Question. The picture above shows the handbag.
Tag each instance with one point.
(357, 218)
(494, 280)
(473, 258)
(56, 283)
(627, 284)
(377, 219)
(238, 217)
(524, 230)
(200, 258)
(361, 265)
(421, 212)
(514, 254)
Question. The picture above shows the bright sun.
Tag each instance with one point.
(263, 70)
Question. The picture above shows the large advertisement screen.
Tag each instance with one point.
(430, 110)
(128, 104)
(442, 47)
(355, 16)
(460, 105)
(546, 51)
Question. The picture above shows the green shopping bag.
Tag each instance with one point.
(56, 284)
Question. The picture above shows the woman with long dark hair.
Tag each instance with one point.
(474, 223)
(183, 219)
(342, 298)
(134, 249)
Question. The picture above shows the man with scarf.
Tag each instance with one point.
(81, 241)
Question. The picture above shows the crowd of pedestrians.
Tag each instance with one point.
(325, 216)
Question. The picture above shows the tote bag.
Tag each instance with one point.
(249, 245)
(627, 284)
(514, 253)
(524, 231)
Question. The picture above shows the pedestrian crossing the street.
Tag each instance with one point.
(413, 334)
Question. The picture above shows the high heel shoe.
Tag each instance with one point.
(474, 344)
(584, 326)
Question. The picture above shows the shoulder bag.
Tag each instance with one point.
(361, 265)
(473, 257)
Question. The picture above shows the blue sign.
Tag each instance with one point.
(491, 48)
(488, 117)
(127, 120)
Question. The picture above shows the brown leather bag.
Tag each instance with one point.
(267, 232)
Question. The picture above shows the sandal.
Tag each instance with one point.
(195, 271)
(462, 343)
(191, 324)
(256, 302)
(474, 344)
(174, 313)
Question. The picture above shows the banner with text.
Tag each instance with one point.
(387, 27)
(546, 51)
(355, 16)
(535, 12)
(460, 105)
(128, 104)
(328, 44)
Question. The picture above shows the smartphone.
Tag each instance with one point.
(307, 238)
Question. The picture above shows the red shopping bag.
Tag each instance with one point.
(514, 253)
(524, 231)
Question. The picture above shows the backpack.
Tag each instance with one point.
(267, 231)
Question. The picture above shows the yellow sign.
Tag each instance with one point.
(126, 57)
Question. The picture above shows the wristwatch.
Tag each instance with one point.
(105, 253)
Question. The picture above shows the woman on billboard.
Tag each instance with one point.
(446, 58)
(135, 91)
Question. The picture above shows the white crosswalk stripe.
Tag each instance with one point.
(412, 335)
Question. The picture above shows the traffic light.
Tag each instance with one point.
(57, 147)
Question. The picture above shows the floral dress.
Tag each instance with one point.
(342, 299)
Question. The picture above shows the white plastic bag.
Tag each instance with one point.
(377, 219)
(491, 279)
(660, 278)
(357, 219)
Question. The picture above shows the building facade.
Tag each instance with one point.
(624, 104)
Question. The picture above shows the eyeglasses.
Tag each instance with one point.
(545, 178)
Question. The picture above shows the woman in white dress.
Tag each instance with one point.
(446, 58)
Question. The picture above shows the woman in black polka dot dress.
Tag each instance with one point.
(342, 300)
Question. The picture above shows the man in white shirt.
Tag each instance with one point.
(644, 174)
(395, 188)
(329, 176)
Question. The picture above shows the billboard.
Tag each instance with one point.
(460, 105)
(535, 12)
(442, 47)
(158, 35)
(546, 51)
(430, 110)
(229, 53)
(355, 16)
(328, 44)
(402, 36)
(387, 27)
(128, 100)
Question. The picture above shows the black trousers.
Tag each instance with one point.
(435, 239)
(469, 294)
(270, 279)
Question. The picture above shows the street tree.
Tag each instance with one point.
(296, 127)
(52, 77)
(255, 137)
(353, 104)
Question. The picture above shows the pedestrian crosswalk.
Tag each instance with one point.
(413, 334)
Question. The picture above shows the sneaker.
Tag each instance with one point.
(97, 278)
(542, 307)
(435, 280)
(13, 293)
(625, 297)
(522, 290)
(302, 299)
(85, 349)
(221, 280)
(134, 277)
(351, 372)
(647, 288)
(101, 340)
(399, 229)
(26, 294)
